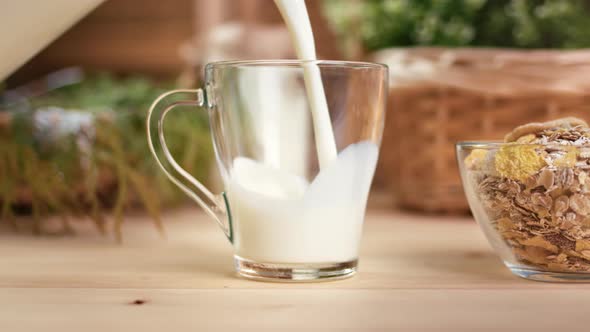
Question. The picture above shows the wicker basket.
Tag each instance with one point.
(438, 97)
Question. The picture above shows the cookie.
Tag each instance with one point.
(535, 127)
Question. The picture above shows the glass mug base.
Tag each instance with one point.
(540, 275)
(304, 272)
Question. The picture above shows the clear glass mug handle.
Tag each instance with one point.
(216, 206)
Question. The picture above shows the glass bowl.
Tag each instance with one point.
(533, 204)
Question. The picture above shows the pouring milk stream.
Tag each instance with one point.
(296, 18)
(280, 216)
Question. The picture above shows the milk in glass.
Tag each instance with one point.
(278, 215)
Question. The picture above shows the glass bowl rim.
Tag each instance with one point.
(499, 144)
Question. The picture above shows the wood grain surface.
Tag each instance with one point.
(416, 273)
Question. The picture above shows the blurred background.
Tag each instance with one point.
(72, 140)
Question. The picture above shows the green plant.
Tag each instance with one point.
(81, 150)
(479, 23)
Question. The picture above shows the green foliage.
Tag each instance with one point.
(101, 168)
(104, 92)
(497, 23)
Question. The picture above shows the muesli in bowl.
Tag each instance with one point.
(531, 196)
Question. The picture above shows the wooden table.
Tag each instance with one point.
(416, 273)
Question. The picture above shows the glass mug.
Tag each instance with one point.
(286, 218)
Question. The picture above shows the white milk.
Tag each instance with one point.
(278, 216)
(295, 15)
(281, 218)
